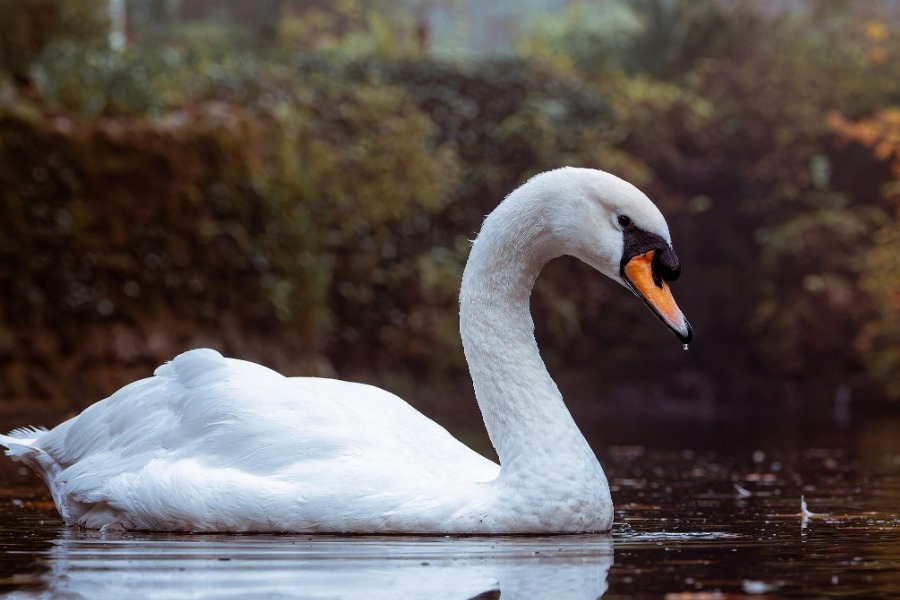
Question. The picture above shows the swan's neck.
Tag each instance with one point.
(526, 419)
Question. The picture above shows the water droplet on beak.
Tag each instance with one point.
(684, 346)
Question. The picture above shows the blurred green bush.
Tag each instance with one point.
(793, 223)
(254, 201)
(28, 27)
(308, 203)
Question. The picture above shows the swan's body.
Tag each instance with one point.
(216, 444)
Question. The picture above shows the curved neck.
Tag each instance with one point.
(523, 409)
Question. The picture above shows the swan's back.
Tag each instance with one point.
(225, 444)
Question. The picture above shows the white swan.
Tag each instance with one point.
(217, 444)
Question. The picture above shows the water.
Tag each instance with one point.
(705, 508)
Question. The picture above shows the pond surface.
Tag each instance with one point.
(706, 508)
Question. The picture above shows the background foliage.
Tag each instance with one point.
(306, 199)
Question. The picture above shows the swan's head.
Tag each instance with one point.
(612, 226)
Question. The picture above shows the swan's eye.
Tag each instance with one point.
(625, 221)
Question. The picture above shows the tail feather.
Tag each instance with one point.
(26, 433)
(20, 445)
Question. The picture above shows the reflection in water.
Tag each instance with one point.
(91, 566)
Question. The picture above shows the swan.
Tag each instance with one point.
(214, 444)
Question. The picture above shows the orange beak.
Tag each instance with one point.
(656, 294)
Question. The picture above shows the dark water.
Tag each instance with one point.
(705, 509)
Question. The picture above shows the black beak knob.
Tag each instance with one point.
(666, 265)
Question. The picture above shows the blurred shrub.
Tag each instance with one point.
(270, 209)
(509, 118)
(879, 339)
(585, 37)
(315, 199)
(328, 192)
(91, 82)
(814, 262)
(165, 71)
(663, 39)
(729, 110)
(506, 119)
(880, 134)
(354, 29)
(814, 204)
(27, 27)
(674, 36)
(831, 211)
(379, 176)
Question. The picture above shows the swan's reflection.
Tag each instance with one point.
(177, 566)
